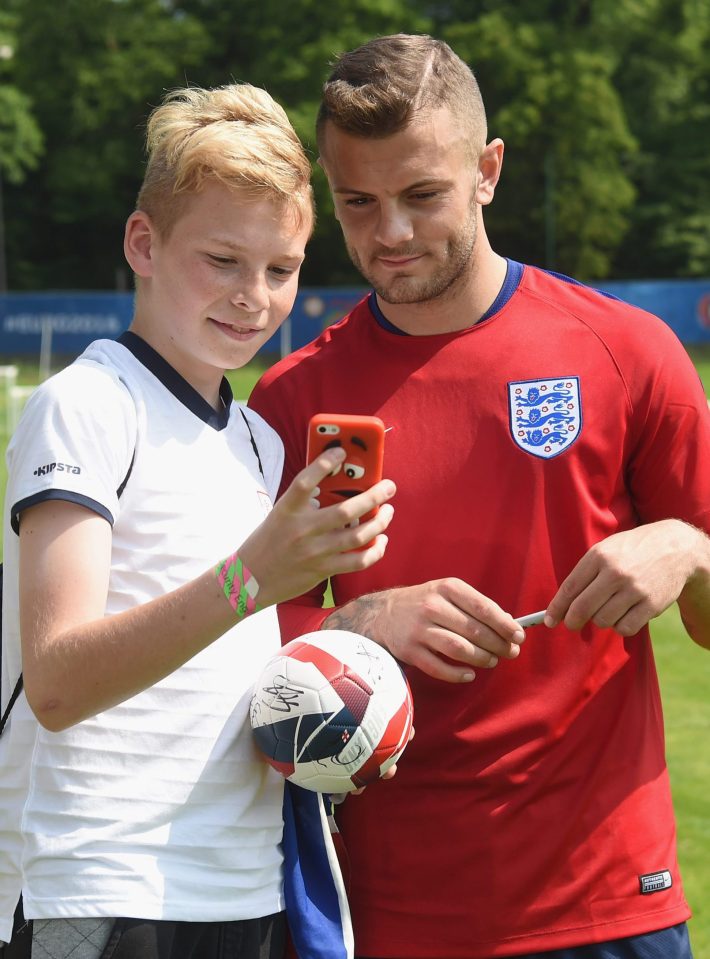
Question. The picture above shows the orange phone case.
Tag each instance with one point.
(363, 438)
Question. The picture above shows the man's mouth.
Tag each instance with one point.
(397, 262)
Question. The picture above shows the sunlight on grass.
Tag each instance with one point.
(684, 673)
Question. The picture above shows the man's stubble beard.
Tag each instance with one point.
(459, 254)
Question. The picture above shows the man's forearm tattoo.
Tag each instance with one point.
(357, 616)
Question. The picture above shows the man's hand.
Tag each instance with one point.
(628, 579)
(443, 627)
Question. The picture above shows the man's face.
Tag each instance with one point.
(221, 282)
(406, 206)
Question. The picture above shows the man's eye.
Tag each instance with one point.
(220, 260)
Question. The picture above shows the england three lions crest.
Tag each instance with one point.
(545, 415)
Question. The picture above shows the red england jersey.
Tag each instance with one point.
(532, 810)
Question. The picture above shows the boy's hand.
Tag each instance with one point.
(298, 546)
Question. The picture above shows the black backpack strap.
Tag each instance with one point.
(15, 693)
(253, 443)
(18, 687)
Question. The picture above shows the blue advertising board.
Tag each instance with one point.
(683, 304)
(72, 320)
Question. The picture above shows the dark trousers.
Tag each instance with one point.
(672, 943)
(247, 939)
(263, 938)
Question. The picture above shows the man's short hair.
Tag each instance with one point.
(235, 134)
(379, 88)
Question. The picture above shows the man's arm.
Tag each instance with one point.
(628, 579)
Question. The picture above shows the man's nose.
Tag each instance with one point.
(394, 227)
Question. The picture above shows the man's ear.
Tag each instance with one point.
(138, 243)
(490, 164)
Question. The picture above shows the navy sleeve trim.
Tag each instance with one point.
(59, 494)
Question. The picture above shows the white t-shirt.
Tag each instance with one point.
(158, 808)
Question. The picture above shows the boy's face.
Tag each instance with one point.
(219, 285)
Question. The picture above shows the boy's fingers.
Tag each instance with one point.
(352, 509)
(305, 482)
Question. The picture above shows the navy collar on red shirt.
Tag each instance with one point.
(513, 275)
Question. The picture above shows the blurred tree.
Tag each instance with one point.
(663, 77)
(612, 100)
(20, 135)
(91, 68)
(604, 107)
(564, 196)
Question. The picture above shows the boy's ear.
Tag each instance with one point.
(138, 243)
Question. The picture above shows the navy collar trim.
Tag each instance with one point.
(513, 275)
(177, 385)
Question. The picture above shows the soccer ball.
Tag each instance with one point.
(332, 711)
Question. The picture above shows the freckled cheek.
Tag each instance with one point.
(282, 303)
(193, 283)
(212, 288)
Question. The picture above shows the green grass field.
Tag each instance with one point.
(683, 669)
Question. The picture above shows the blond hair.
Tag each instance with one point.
(379, 88)
(236, 134)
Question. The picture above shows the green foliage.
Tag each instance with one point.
(663, 78)
(20, 135)
(564, 196)
(604, 108)
(92, 69)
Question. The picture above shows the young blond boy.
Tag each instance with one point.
(136, 815)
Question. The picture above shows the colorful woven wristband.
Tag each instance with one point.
(238, 585)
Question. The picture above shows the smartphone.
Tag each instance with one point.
(363, 438)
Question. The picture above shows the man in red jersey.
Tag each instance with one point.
(551, 450)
